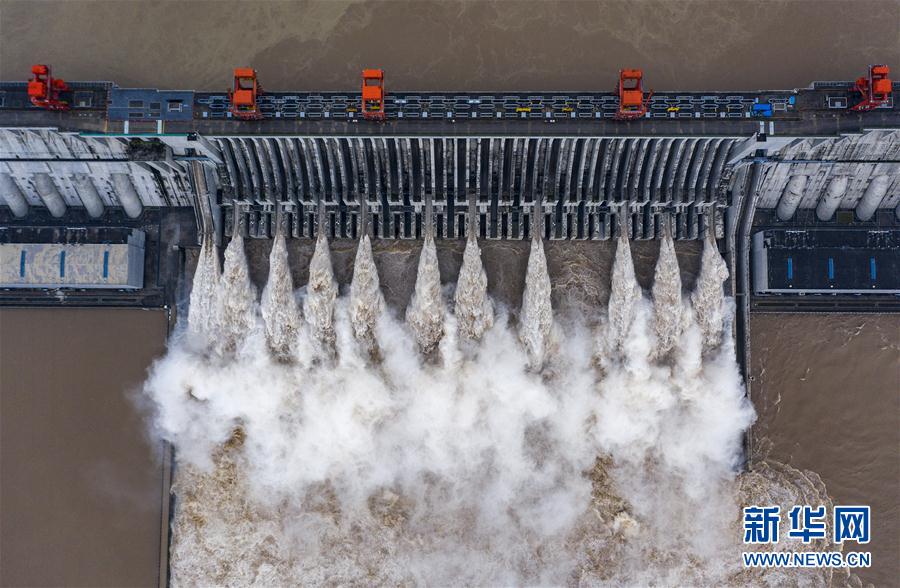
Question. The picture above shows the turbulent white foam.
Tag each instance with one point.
(473, 307)
(321, 292)
(366, 300)
(667, 303)
(279, 309)
(707, 297)
(477, 471)
(536, 318)
(425, 314)
(203, 309)
(236, 301)
(672, 431)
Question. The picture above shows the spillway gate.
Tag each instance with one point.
(391, 186)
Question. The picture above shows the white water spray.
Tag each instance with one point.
(279, 309)
(470, 473)
(425, 314)
(236, 301)
(709, 304)
(667, 303)
(624, 295)
(536, 319)
(474, 309)
(202, 318)
(321, 292)
(366, 300)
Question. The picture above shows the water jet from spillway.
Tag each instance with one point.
(203, 305)
(624, 295)
(321, 292)
(425, 314)
(707, 299)
(236, 299)
(473, 307)
(667, 303)
(536, 318)
(466, 471)
(279, 309)
(366, 299)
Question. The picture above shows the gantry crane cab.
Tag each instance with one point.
(875, 88)
(373, 94)
(244, 93)
(44, 90)
(632, 100)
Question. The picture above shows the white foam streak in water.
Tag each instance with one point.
(425, 314)
(473, 307)
(707, 297)
(321, 292)
(366, 300)
(667, 303)
(279, 309)
(236, 301)
(203, 304)
(465, 472)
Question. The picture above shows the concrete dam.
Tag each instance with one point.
(564, 167)
(576, 183)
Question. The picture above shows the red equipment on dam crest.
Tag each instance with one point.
(373, 94)
(44, 89)
(244, 93)
(633, 103)
(875, 88)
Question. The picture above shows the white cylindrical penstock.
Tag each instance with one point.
(89, 195)
(49, 194)
(872, 197)
(830, 201)
(13, 196)
(790, 199)
(127, 195)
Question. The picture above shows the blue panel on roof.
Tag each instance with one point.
(150, 104)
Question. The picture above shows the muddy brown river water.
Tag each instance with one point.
(82, 493)
(689, 44)
(827, 392)
(827, 387)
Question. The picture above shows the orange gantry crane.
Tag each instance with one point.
(875, 88)
(632, 100)
(243, 94)
(373, 94)
(44, 89)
